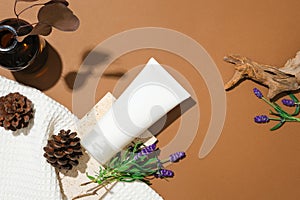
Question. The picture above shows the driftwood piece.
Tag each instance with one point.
(278, 80)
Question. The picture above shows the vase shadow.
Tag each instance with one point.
(46, 76)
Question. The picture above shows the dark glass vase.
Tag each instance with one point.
(28, 55)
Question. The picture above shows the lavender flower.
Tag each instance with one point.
(176, 156)
(164, 173)
(288, 102)
(145, 151)
(126, 167)
(261, 119)
(257, 93)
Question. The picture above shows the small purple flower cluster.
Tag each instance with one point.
(164, 173)
(281, 116)
(257, 93)
(261, 119)
(175, 157)
(138, 162)
(288, 102)
(161, 172)
(145, 151)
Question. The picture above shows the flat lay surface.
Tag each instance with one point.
(23, 152)
(248, 161)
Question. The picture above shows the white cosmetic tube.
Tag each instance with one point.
(151, 95)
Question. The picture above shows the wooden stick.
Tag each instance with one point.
(89, 194)
(278, 80)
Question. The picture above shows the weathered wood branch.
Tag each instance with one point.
(278, 80)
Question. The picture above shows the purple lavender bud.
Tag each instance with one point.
(176, 156)
(261, 119)
(257, 93)
(288, 102)
(164, 173)
(145, 151)
(149, 149)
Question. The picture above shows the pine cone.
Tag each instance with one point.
(15, 111)
(63, 150)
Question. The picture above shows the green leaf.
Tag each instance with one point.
(126, 179)
(294, 98)
(273, 113)
(114, 161)
(126, 156)
(90, 177)
(123, 168)
(134, 171)
(277, 126)
(99, 181)
(281, 112)
(137, 147)
(297, 110)
(144, 171)
(277, 108)
(140, 167)
(146, 181)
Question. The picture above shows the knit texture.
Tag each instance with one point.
(24, 172)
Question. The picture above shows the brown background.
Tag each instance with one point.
(249, 161)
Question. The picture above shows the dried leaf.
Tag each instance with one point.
(59, 16)
(28, 0)
(41, 29)
(57, 1)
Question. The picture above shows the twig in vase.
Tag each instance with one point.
(25, 9)
(63, 19)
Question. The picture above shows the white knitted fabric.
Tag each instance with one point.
(24, 172)
(131, 191)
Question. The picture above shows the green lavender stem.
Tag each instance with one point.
(282, 115)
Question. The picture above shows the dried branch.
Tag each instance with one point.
(292, 66)
(90, 192)
(278, 80)
(27, 8)
(54, 13)
(15, 8)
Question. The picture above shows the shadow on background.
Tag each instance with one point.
(42, 77)
(171, 116)
(114, 75)
(90, 60)
(81, 78)
(94, 57)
